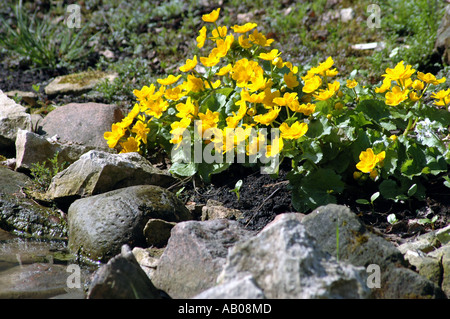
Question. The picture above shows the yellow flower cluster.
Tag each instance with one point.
(260, 102)
(368, 162)
(405, 87)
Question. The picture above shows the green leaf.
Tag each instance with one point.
(373, 109)
(205, 170)
(183, 169)
(362, 201)
(412, 190)
(374, 196)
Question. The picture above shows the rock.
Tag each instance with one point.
(24, 216)
(442, 44)
(32, 148)
(27, 96)
(81, 123)
(99, 225)
(443, 235)
(443, 255)
(214, 209)
(360, 247)
(285, 262)
(122, 278)
(97, 172)
(243, 288)
(12, 118)
(195, 255)
(428, 267)
(424, 243)
(148, 259)
(157, 232)
(77, 83)
(33, 281)
(347, 14)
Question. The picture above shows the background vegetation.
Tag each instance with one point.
(144, 40)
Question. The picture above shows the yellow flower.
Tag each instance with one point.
(145, 93)
(294, 69)
(215, 84)
(225, 70)
(323, 67)
(220, 32)
(393, 137)
(243, 42)
(286, 100)
(417, 85)
(212, 16)
(193, 84)
(413, 96)
(351, 84)
(293, 132)
(244, 28)
(275, 148)
(255, 144)
(175, 93)
(400, 72)
(324, 95)
(141, 130)
(331, 73)
(385, 86)
(190, 64)
(270, 55)
(291, 80)
(209, 119)
(186, 110)
(210, 61)
(244, 71)
(169, 80)
(260, 39)
(269, 117)
(307, 109)
(396, 96)
(430, 78)
(131, 145)
(157, 108)
(114, 136)
(201, 38)
(443, 97)
(312, 84)
(178, 128)
(368, 160)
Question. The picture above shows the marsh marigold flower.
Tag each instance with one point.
(312, 84)
(171, 79)
(189, 65)
(351, 84)
(269, 117)
(270, 55)
(396, 96)
(201, 38)
(114, 136)
(399, 72)
(212, 16)
(293, 132)
(130, 145)
(291, 80)
(430, 78)
(244, 28)
(141, 130)
(368, 160)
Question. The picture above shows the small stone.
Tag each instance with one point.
(157, 232)
(77, 83)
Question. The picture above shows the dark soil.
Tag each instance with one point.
(262, 197)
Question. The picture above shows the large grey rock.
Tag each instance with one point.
(97, 172)
(361, 247)
(286, 263)
(99, 225)
(195, 255)
(122, 278)
(32, 148)
(443, 255)
(12, 117)
(81, 123)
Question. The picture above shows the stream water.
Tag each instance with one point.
(31, 268)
